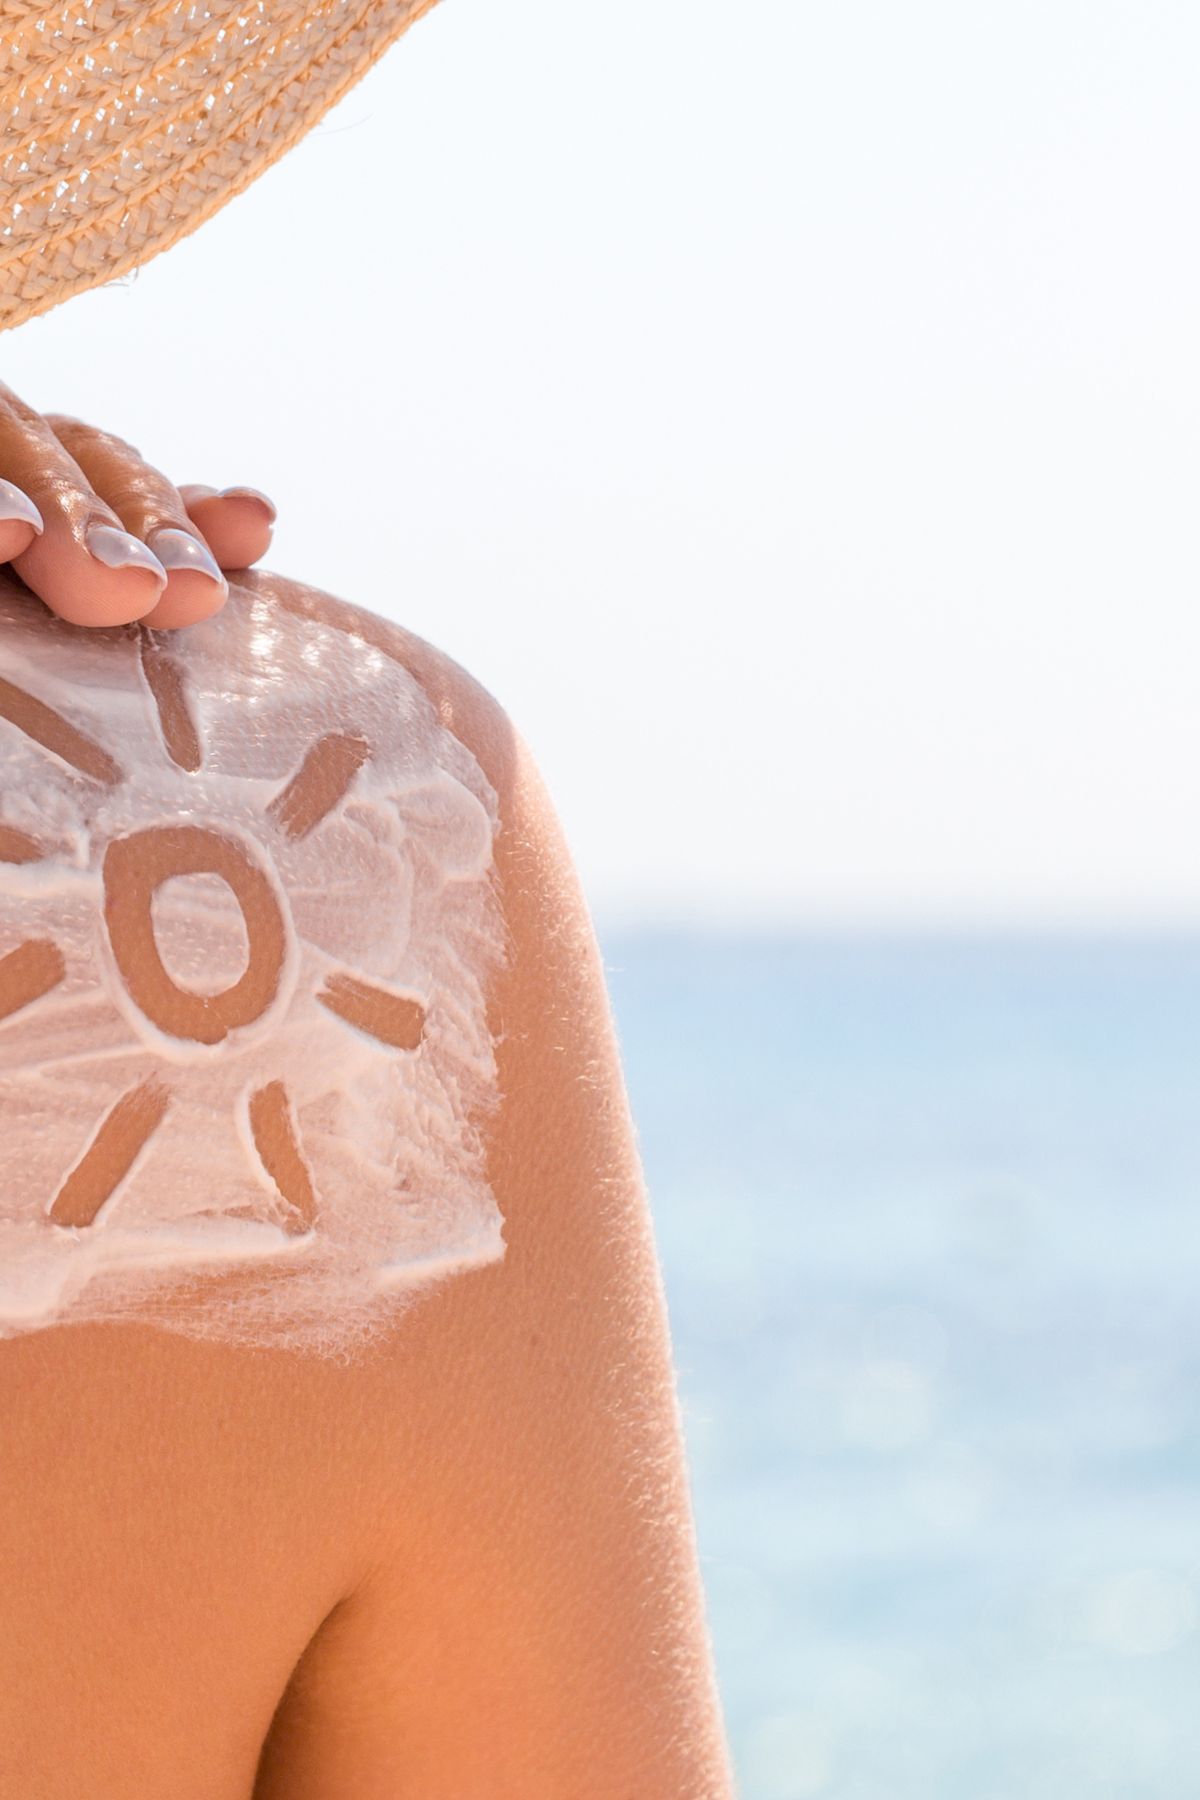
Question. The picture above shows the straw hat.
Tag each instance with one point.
(127, 122)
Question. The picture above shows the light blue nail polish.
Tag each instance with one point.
(17, 505)
(176, 549)
(120, 550)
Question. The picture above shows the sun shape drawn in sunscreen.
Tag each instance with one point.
(229, 945)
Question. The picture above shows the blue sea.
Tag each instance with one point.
(929, 1219)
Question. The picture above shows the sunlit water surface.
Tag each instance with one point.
(928, 1220)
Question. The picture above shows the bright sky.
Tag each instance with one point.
(789, 411)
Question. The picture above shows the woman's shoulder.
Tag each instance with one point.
(251, 925)
(300, 1000)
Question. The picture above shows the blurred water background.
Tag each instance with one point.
(927, 1216)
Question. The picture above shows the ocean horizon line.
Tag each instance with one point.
(903, 933)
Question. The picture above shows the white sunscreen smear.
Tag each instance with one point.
(247, 924)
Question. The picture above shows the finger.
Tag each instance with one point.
(84, 565)
(149, 507)
(236, 522)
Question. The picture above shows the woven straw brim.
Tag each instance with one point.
(127, 125)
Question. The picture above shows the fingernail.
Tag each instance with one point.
(16, 505)
(119, 550)
(245, 493)
(176, 549)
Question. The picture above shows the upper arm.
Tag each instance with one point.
(529, 1618)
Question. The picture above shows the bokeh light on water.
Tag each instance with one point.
(928, 1220)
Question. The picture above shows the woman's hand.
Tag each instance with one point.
(103, 538)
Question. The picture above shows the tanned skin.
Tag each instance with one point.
(459, 1567)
